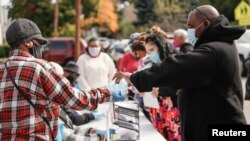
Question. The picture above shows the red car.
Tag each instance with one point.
(61, 50)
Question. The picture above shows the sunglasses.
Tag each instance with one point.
(152, 38)
(156, 40)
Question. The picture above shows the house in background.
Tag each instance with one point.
(4, 21)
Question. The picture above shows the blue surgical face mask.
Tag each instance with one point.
(191, 34)
(155, 57)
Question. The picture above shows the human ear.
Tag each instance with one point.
(207, 23)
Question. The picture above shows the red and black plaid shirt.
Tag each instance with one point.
(46, 89)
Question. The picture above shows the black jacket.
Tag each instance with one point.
(185, 48)
(213, 89)
(71, 117)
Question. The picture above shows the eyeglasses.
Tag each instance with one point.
(152, 38)
(201, 13)
(157, 40)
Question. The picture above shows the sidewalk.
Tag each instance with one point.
(246, 102)
(247, 110)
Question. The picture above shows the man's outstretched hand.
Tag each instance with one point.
(122, 75)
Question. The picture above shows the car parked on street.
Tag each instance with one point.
(243, 47)
(62, 50)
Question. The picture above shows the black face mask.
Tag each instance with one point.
(36, 51)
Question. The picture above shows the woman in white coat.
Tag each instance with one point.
(95, 67)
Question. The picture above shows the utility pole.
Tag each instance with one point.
(56, 18)
(77, 29)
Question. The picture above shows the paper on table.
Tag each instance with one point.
(150, 101)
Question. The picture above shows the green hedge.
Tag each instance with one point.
(4, 51)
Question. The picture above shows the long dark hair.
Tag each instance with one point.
(165, 49)
(138, 46)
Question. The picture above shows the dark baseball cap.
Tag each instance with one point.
(22, 30)
(72, 67)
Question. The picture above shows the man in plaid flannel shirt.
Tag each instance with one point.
(44, 87)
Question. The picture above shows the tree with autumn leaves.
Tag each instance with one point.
(103, 15)
(100, 13)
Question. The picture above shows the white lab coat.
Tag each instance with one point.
(95, 72)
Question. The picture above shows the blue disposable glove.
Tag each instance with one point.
(59, 136)
(123, 87)
(98, 116)
(104, 132)
(118, 91)
(101, 132)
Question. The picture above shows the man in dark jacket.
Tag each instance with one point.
(213, 89)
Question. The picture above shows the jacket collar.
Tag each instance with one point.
(18, 52)
(220, 31)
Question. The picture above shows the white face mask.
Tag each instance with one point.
(191, 34)
(94, 51)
